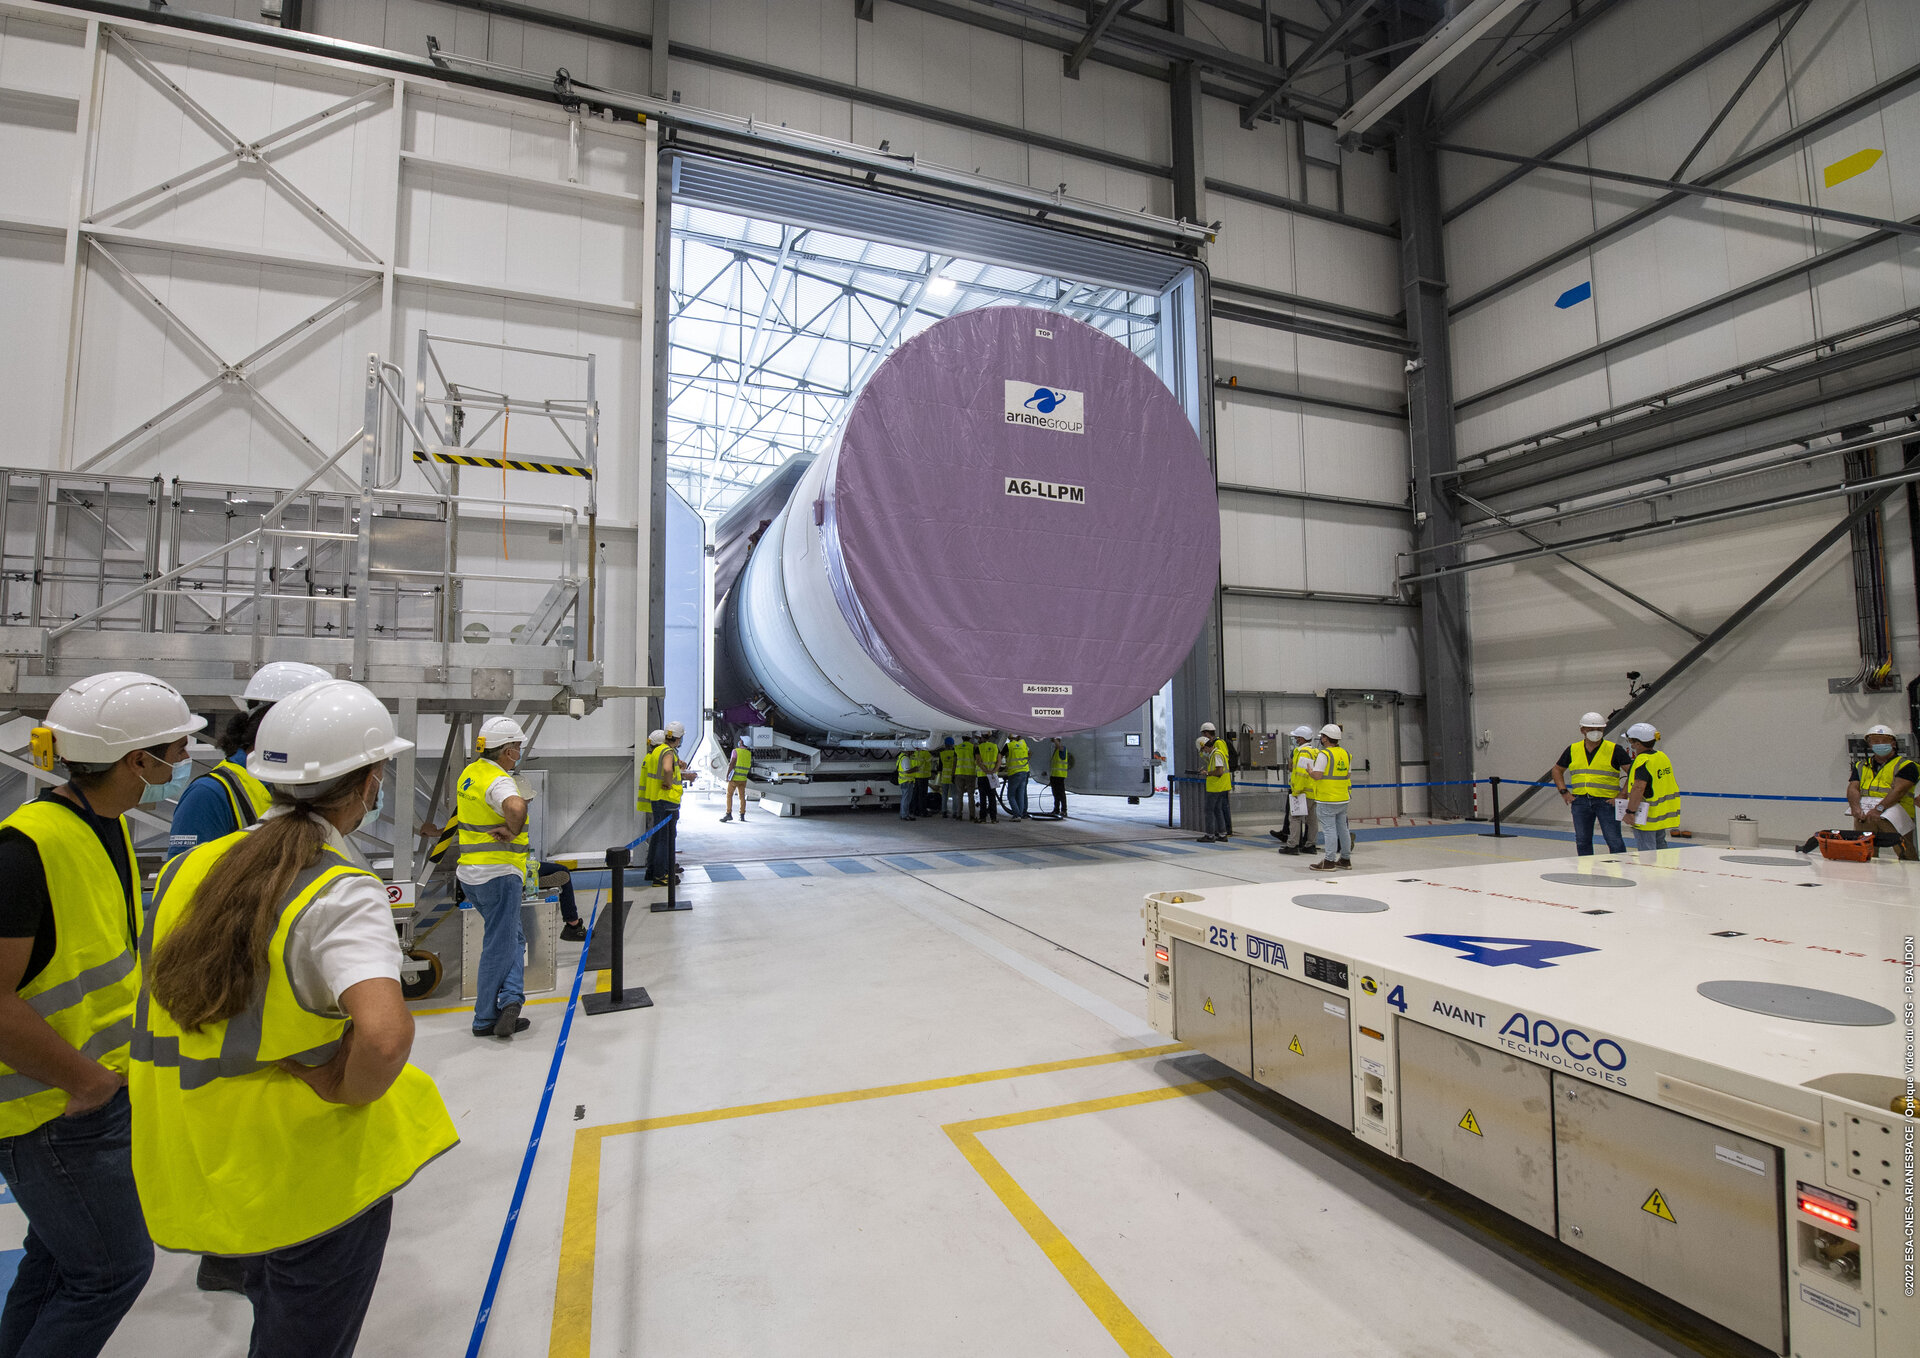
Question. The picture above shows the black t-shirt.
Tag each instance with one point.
(26, 908)
(1621, 758)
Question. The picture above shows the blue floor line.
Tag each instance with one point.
(1159, 847)
(1117, 851)
(965, 860)
(1017, 856)
(910, 864)
(1070, 853)
(724, 872)
(786, 869)
(850, 866)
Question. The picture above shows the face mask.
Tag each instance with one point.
(1593, 735)
(373, 812)
(170, 790)
(1881, 751)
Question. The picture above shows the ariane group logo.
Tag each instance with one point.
(1041, 405)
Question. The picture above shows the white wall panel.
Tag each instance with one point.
(1299, 646)
(1264, 156)
(1355, 268)
(33, 280)
(1256, 244)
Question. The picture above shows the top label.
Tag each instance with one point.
(1044, 407)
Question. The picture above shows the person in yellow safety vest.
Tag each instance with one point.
(644, 798)
(1589, 774)
(1880, 792)
(492, 810)
(1331, 793)
(275, 1114)
(739, 765)
(69, 924)
(965, 781)
(1059, 765)
(906, 776)
(669, 775)
(1018, 767)
(1218, 772)
(227, 797)
(943, 779)
(923, 779)
(1296, 836)
(1653, 792)
(986, 758)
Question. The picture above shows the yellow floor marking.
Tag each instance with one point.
(1133, 1337)
(572, 1333)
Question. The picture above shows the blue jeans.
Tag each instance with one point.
(1649, 839)
(503, 949)
(906, 799)
(88, 1254)
(1586, 812)
(309, 1300)
(1215, 808)
(1017, 795)
(1334, 834)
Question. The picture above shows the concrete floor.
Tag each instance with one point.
(896, 1111)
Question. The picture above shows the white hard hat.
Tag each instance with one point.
(106, 716)
(1330, 731)
(1879, 730)
(321, 732)
(675, 728)
(1200, 742)
(1643, 732)
(498, 732)
(1593, 721)
(1303, 733)
(1207, 726)
(279, 679)
(656, 737)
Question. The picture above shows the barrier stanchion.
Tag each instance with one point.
(617, 997)
(1496, 832)
(673, 901)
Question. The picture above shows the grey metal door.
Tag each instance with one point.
(1370, 733)
(1302, 1045)
(1685, 1207)
(1210, 1009)
(1480, 1119)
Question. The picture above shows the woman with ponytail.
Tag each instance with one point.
(275, 1113)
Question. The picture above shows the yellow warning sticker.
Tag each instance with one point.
(1856, 164)
(1368, 984)
(1658, 1206)
(1471, 1123)
(1208, 1006)
(1295, 1047)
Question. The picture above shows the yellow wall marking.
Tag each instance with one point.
(1295, 1047)
(572, 1333)
(1471, 1123)
(1856, 164)
(1658, 1206)
(1134, 1339)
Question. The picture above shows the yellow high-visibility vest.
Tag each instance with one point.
(247, 796)
(1300, 780)
(1219, 772)
(963, 759)
(1879, 782)
(946, 764)
(903, 767)
(477, 816)
(231, 1154)
(987, 757)
(648, 793)
(1593, 775)
(923, 764)
(742, 761)
(1662, 802)
(1017, 757)
(666, 778)
(1336, 785)
(87, 989)
(1058, 763)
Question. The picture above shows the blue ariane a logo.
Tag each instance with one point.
(1045, 399)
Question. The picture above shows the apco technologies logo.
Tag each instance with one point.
(1043, 407)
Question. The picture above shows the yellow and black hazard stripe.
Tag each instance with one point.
(506, 463)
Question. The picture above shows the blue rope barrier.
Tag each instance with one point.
(657, 825)
(533, 1149)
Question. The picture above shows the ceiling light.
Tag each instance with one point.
(940, 287)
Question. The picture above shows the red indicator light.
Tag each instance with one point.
(1160, 953)
(1826, 1212)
